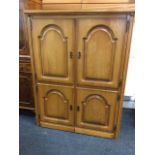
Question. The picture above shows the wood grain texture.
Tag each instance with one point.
(25, 78)
(85, 9)
(26, 100)
(79, 65)
(57, 126)
(97, 109)
(56, 104)
(54, 51)
(79, 8)
(100, 43)
(53, 45)
(37, 110)
(61, 1)
(106, 1)
(94, 132)
(86, 1)
(23, 36)
(124, 73)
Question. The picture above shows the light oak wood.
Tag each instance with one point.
(85, 9)
(100, 45)
(37, 109)
(57, 126)
(96, 109)
(78, 8)
(53, 43)
(86, 1)
(79, 65)
(62, 1)
(124, 73)
(94, 132)
(65, 6)
(106, 1)
(56, 104)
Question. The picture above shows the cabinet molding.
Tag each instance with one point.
(104, 104)
(64, 102)
(61, 70)
(55, 104)
(103, 32)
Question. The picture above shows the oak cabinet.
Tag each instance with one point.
(79, 64)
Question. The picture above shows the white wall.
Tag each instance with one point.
(130, 81)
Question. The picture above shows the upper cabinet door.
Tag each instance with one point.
(53, 49)
(100, 50)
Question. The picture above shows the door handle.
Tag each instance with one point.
(79, 55)
(78, 108)
(71, 55)
(71, 107)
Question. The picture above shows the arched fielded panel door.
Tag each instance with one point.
(56, 104)
(99, 51)
(53, 45)
(96, 109)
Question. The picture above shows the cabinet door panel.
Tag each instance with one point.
(100, 43)
(53, 42)
(97, 109)
(56, 104)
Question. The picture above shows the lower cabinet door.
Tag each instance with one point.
(56, 104)
(96, 109)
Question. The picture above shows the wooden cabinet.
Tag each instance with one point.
(79, 63)
(25, 92)
(26, 100)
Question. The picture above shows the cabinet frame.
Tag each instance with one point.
(124, 65)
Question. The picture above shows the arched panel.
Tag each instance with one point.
(53, 51)
(55, 105)
(99, 52)
(96, 110)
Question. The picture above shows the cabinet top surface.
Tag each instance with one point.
(87, 1)
(78, 6)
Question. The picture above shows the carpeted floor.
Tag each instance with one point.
(35, 140)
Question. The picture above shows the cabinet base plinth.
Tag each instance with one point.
(56, 126)
(94, 133)
(77, 130)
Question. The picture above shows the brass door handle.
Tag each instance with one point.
(71, 55)
(79, 55)
(78, 108)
